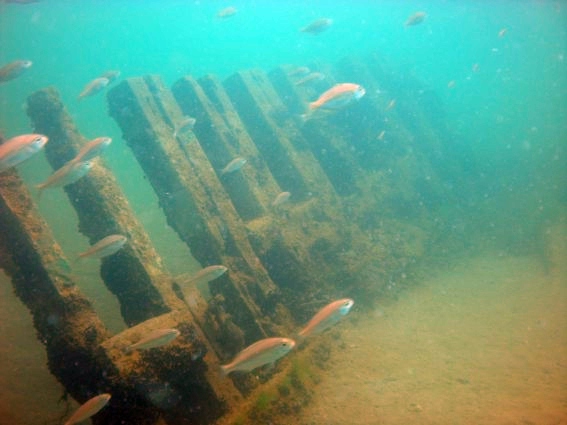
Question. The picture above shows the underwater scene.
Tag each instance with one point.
(283, 212)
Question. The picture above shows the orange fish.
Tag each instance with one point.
(338, 96)
(94, 87)
(258, 354)
(13, 70)
(327, 317)
(92, 149)
(19, 148)
(88, 409)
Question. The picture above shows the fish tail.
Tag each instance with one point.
(299, 338)
(313, 105)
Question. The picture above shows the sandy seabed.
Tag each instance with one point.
(484, 342)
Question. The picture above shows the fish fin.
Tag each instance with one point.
(224, 370)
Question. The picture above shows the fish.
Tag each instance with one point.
(391, 104)
(155, 339)
(317, 26)
(111, 75)
(105, 247)
(381, 135)
(327, 317)
(300, 70)
(207, 274)
(94, 87)
(14, 70)
(502, 32)
(89, 408)
(185, 123)
(281, 199)
(20, 148)
(314, 76)
(69, 173)
(338, 96)
(451, 84)
(234, 165)
(258, 354)
(475, 67)
(227, 12)
(415, 19)
(92, 149)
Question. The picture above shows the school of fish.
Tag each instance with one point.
(21, 148)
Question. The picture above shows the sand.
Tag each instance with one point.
(484, 342)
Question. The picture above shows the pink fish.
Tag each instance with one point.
(94, 87)
(13, 70)
(92, 149)
(338, 96)
(327, 317)
(19, 148)
(88, 409)
(258, 354)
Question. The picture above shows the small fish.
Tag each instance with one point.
(155, 339)
(94, 87)
(227, 12)
(314, 76)
(282, 198)
(92, 149)
(13, 70)
(338, 96)
(476, 67)
(234, 165)
(451, 84)
(317, 26)
(88, 409)
(69, 173)
(20, 148)
(327, 317)
(187, 123)
(111, 75)
(105, 247)
(207, 274)
(258, 354)
(416, 19)
(381, 135)
(391, 105)
(502, 32)
(300, 70)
